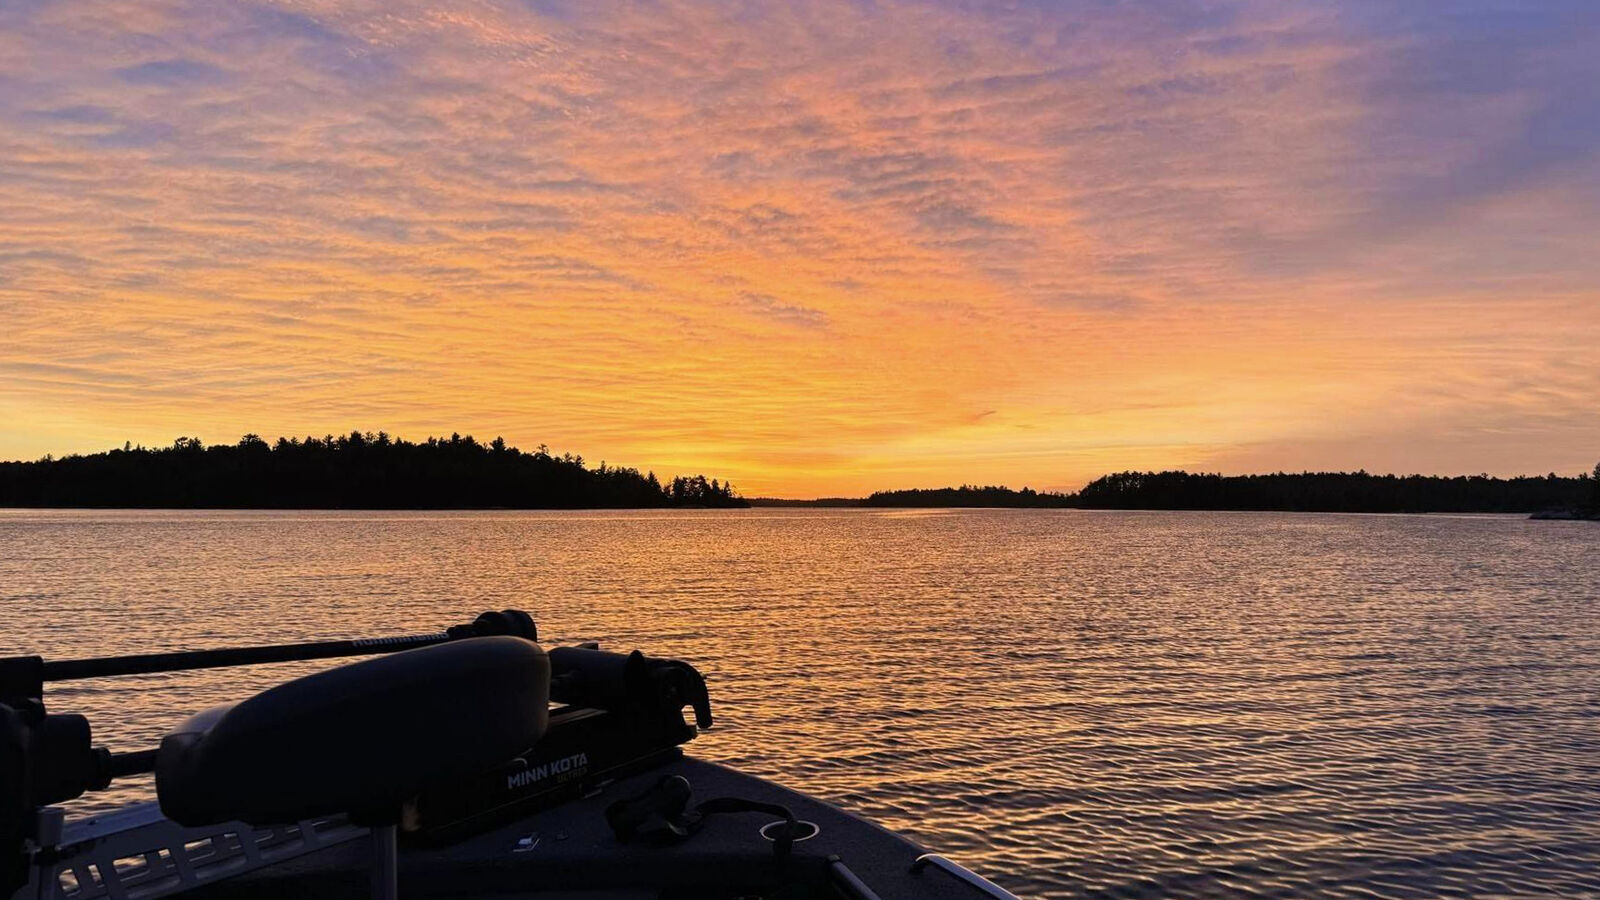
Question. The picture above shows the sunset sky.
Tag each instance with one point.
(814, 247)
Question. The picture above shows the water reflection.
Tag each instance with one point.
(1075, 703)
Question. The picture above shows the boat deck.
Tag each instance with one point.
(569, 851)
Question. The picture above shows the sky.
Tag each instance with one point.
(814, 247)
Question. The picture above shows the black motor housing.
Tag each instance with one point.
(361, 738)
(621, 712)
(586, 676)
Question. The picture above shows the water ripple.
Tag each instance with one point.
(1077, 704)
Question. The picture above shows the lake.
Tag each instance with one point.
(1074, 703)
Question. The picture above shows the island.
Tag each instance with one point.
(1547, 496)
(971, 496)
(1339, 492)
(360, 470)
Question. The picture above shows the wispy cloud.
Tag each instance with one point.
(773, 308)
(717, 235)
(172, 73)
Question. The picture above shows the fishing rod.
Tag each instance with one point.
(50, 757)
(66, 763)
(24, 676)
(615, 708)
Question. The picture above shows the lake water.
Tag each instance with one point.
(1076, 704)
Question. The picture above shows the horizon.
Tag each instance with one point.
(817, 248)
(975, 484)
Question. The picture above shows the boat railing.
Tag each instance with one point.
(961, 873)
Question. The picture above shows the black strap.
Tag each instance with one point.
(782, 843)
(661, 814)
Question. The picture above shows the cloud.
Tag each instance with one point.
(1136, 231)
(85, 114)
(172, 73)
(789, 313)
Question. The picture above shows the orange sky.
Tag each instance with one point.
(814, 247)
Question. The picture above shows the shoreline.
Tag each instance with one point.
(1528, 516)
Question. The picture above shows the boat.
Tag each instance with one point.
(464, 763)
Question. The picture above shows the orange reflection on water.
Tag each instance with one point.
(1072, 702)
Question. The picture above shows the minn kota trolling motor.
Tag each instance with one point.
(443, 736)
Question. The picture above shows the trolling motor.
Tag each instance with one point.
(588, 676)
(444, 739)
(618, 714)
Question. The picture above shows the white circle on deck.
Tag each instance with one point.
(804, 830)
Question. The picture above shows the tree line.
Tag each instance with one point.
(969, 495)
(376, 471)
(354, 471)
(1304, 492)
(1340, 492)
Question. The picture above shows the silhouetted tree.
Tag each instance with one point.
(969, 496)
(1332, 492)
(357, 470)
